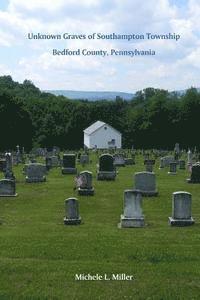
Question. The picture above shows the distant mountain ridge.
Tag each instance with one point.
(98, 96)
(91, 96)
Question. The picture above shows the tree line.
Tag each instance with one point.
(154, 118)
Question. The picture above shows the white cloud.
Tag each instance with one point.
(169, 68)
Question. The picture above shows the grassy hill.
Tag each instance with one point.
(39, 256)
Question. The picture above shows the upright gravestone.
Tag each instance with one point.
(165, 161)
(55, 162)
(69, 164)
(172, 168)
(106, 168)
(181, 164)
(7, 188)
(132, 216)
(146, 183)
(119, 160)
(72, 212)
(8, 171)
(181, 209)
(84, 183)
(35, 172)
(195, 175)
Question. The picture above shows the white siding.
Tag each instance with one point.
(101, 137)
(86, 140)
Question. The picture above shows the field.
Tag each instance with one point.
(39, 256)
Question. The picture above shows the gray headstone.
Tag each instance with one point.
(106, 168)
(35, 172)
(72, 212)
(119, 160)
(146, 183)
(181, 209)
(69, 164)
(165, 161)
(69, 160)
(172, 168)
(181, 164)
(132, 216)
(195, 175)
(7, 188)
(55, 162)
(84, 183)
(106, 163)
(8, 171)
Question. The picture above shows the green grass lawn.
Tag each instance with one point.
(39, 256)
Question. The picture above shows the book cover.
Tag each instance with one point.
(99, 149)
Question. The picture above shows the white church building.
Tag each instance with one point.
(102, 136)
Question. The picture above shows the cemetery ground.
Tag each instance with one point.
(40, 256)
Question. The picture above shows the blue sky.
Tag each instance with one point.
(179, 2)
(3, 4)
(175, 66)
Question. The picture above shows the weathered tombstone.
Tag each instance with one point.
(195, 175)
(72, 212)
(132, 216)
(106, 168)
(165, 161)
(8, 171)
(69, 164)
(84, 183)
(149, 163)
(35, 172)
(181, 209)
(146, 183)
(172, 168)
(7, 188)
(119, 160)
(84, 159)
(181, 164)
(55, 162)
